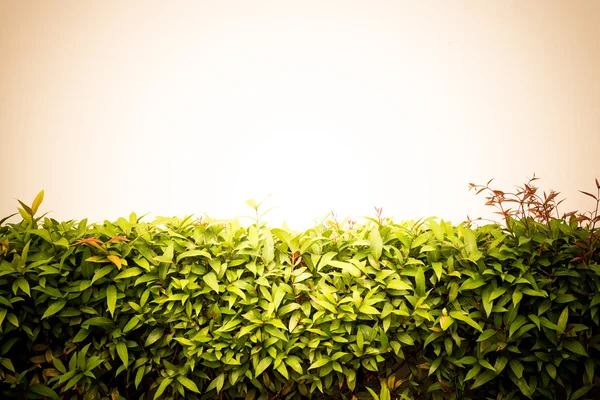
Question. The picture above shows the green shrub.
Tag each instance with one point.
(209, 309)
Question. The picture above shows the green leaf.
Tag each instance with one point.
(59, 365)
(12, 318)
(81, 357)
(581, 392)
(575, 347)
(488, 333)
(516, 324)
(7, 363)
(129, 273)
(471, 283)
(473, 372)
(497, 293)
(122, 352)
(485, 298)
(43, 233)
(3, 312)
(517, 368)
(211, 280)
(485, 364)
(346, 268)
(516, 297)
(282, 369)
(103, 272)
(54, 307)
(268, 251)
(562, 321)
(397, 284)
(99, 321)
(43, 390)
(548, 324)
(278, 296)
(565, 298)
(188, 383)
(551, 369)
(192, 253)
(161, 388)
(437, 268)
(535, 320)
(319, 363)
(23, 285)
(111, 298)
(434, 365)
(446, 321)
(373, 394)
(483, 379)
(294, 362)
(420, 282)
(156, 334)
(230, 325)
(262, 365)
(167, 256)
(406, 339)
(376, 243)
(139, 375)
(462, 317)
(81, 335)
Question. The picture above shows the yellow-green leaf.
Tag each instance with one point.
(188, 383)
(319, 363)
(54, 307)
(111, 299)
(129, 273)
(122, 352)
(262, 365)
(376, 243)
(36, 202)
(211, 281)
(562, 321)
(161, 388)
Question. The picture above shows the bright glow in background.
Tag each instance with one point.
(192, 107)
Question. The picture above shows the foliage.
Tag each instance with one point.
(209, 309)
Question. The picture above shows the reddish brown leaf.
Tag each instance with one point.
(88, 240)
(118, 238)
(589, 194)
(581, 218)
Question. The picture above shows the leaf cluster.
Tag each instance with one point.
(209, 309)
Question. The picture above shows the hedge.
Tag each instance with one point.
(204, 309)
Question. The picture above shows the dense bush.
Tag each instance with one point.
(189, 309)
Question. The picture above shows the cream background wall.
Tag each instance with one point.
(187, 107)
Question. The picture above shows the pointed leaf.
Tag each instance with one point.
(115, 260)
(161, 388)
(54, 307)
(37, 202)
(111, 299)
(122, 352)
(211, 280)
(562, 321)
(188, 383)
(376, 243)
(262, 365)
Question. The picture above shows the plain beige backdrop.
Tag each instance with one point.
(191, 107)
